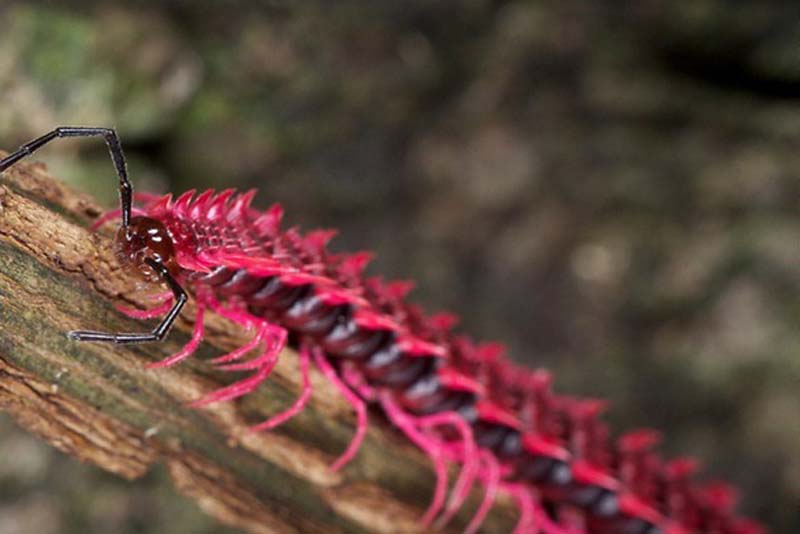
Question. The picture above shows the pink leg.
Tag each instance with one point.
(190, 347)
(491, 481)
(269, 357)
(468, 456)
(235, 390)
(461, 489)
(533, 518)
(135, 313)
(358, 405)
(266, 361)
(428, 446)
(299, 404)
(440, 490)
(264, 330)
(238, 316)
(355, 380)
(526, 524)
(244, 349)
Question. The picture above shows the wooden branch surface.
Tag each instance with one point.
(98, 403)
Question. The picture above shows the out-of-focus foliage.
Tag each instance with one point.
(614, 192)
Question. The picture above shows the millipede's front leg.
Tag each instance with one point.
(159, 332)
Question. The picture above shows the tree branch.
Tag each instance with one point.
(99, 404)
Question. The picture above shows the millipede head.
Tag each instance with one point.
(145, 238)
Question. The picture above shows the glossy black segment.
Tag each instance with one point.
(311, 316)
(347, 340)
(390, 366)
(542, 470)
(275, 295)
(217, 276)
(240, 283)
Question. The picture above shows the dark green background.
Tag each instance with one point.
(613, 191)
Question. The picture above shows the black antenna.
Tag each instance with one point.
(126, 201)
(114, 148)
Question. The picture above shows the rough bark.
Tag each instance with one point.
(99, 404)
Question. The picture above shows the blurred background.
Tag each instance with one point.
(614, 192)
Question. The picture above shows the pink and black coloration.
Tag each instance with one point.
(457, 401)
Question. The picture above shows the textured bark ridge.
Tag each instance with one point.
(99, 404)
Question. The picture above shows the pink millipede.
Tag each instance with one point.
(459, 402)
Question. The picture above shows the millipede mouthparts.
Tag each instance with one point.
(460, 402)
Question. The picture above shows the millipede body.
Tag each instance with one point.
(459, 401)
